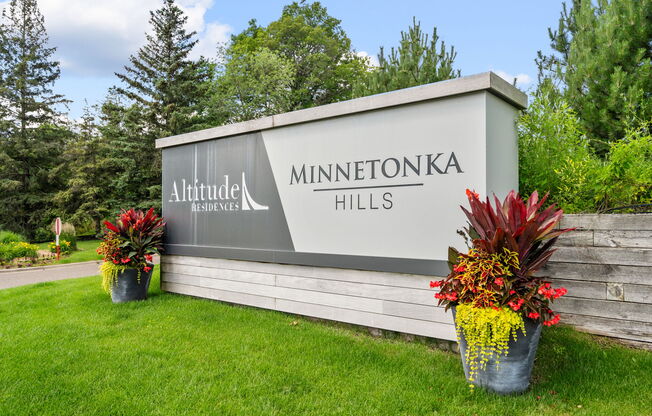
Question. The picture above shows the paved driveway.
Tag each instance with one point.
(27, 276)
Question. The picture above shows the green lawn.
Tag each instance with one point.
(85, 252)
(67, 350)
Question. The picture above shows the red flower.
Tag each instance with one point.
(553, 321)
(451, 296)
(115, 261)
(560, 292)
(498, 281)
(437, 283)
(516, 305)
(125, 261)
(148, 257)
(472, 194)
(533, 315)
(511, 292)
(439, 296)
(147, 269)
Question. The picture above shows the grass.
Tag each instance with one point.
(67, 350)
(85, 252)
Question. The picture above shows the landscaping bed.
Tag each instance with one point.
(66, 349)
(85, 252)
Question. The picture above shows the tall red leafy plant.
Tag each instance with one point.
(510, 241)
(133, 238)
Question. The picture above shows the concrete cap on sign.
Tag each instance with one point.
(487, 81)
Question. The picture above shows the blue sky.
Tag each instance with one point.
(94, 39)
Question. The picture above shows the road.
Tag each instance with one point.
(30, 275)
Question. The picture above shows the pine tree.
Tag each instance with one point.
(161, 77)
(83, 199)
(31, 135)
(416, 61)
(602, 64)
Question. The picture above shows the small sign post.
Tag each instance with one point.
(57, 231)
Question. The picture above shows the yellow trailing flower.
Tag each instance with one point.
(109, 272)
(487, 332)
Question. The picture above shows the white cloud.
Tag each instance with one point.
(522, 80)
(373, 59)
(96, 38)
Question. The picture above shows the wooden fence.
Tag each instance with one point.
(606, 265)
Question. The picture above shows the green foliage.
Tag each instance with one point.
(256, 83)
(554, 154)
(31, 134)
(83, 198)
(626, 178)
(417, 60)
(65, 246)
(14, 250)
(11, 237)
(71, 238)
(602, 60)
(161, 79)
(316, 55)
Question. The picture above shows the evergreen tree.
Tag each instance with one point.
(416, 61)
(162, 94)
(83, 198)
(162, 79)
(31, 135)
(602, 64)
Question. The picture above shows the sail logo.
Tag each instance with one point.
(224, 197)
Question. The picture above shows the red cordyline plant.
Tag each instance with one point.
(511, 241)
(133, 239)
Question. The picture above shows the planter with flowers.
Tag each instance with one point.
(127, 247)
(499, 303)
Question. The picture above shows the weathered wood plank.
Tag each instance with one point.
(329, 273)
(599, 272)
(605, 308)
(608, 221)
(224, 274)
(637, 239)
(576, 238)
(424, 313)
(392, 323)
(580, 289)
(441, 330)
(417, 296)
(637, 293)
(618, 328)
(604, 255)
(232, 297)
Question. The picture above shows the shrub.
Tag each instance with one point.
(65, 247)
(626, 178)
(71, 239)
(42, 235)
(10, 237)
(554, 154)
(13, 250)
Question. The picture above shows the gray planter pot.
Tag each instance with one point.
(512, 374)
(129, 287)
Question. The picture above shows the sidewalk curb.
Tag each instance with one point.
(51, 266)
